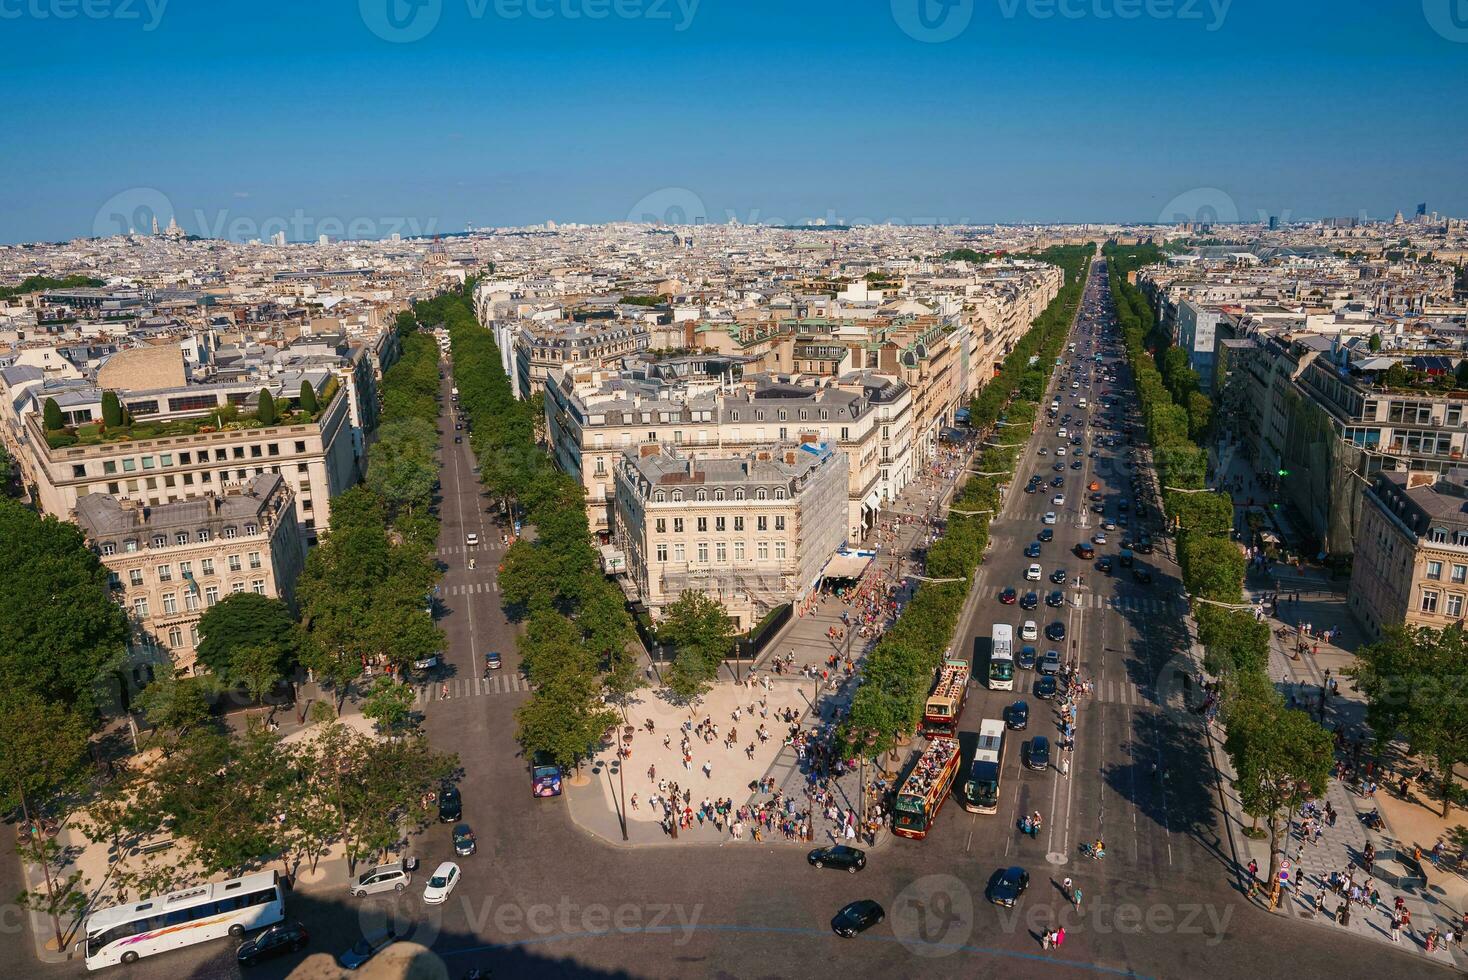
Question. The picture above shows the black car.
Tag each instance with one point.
(857, 917)
(1007, 885)
(458, 438)
(1046, 687)
(1032, 550)
(1058, 576)
(1008, 596)
(1046, 534)
(1059, 481)
(1027, 657)
(1142, 575)
(1038, 756)
(1029, 600)
(1055, 631)
(464, 842)
(450, 805)
(1104, 564)
(1075, 465)
(1084, 551)
(282, 938)
(840, 857)
(1017, 716)
(1055, 599)
(1031, 488)
(1058, 467)
(1144, 544)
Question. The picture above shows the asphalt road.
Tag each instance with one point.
(543, 899)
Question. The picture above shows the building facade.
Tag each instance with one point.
(168, 563)
(753, 532)
(1411, 563)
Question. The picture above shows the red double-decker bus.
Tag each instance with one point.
(922, 793)
(945, 704)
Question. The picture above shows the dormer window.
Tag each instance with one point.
(760, 494)
(719, 494)
(677, 496)
(738, 493)
(701, 495)
(660, 497)
(779, 493)
(1438, 535)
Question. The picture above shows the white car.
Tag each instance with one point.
(471, 539)
(1110, 525)
(1049, 517)
(1032, 574)
(1098, 538)
(442, 882)
(1058, 500)
(1063, 434)
(1029, 631)
(1060, 451)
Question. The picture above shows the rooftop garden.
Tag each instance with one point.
(118, 425)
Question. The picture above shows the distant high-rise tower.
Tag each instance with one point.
(1274, 222)
(278, 238)
(155, 224)
(1421, 210)
(322, 240)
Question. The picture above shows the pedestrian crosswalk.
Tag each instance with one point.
(471, 588)
(479, 549)
(505, 682)
(1090, 600)
(1120, 692)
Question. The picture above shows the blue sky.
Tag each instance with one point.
(251, 115)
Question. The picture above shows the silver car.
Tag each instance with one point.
(392, 877)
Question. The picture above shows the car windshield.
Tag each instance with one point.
(438, 881)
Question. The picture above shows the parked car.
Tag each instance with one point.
(465, 843)
(450, 804)
(857, 917)
(1038, 756)
(366, 948)
(441, 883)
(279, 940)
(1007, 885)
(840, 857)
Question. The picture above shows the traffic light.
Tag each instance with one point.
(1284, 472)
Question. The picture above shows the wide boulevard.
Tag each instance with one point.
(542, 898)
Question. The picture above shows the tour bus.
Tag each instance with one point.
(1001, 658)
(124, 933)
(981, 790)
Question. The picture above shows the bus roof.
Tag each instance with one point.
(991, 728)
(104, 919)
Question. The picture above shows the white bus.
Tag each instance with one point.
(125, 933)
(1001, 658)
(981, 790)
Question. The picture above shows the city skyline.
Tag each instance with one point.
(499, 115)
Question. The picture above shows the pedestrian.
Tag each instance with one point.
(1396, 929)
(1060, 935)
(1077, 899)
(1065, 770)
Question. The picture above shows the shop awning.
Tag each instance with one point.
(848, 564)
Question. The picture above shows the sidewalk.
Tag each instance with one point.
(1303, 678)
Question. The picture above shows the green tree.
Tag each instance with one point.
(401, 467)
(1213, 568)
(1281, 757)
(265, 410)
(247, 619)
(176, 706)
(389, 704)
(255, 668)
(698, 623)
(51, 416)
(61, 634)
(565, 718)
(1397, 375)
(1374, 343)
(1415, 686)
(111, 410)
(43, 749)
(307, 399)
